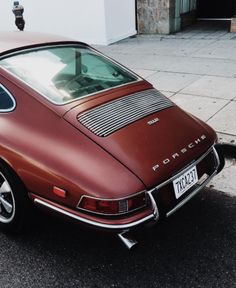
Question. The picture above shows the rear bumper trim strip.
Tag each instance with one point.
(93, 223)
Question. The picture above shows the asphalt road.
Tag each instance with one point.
(196, 247)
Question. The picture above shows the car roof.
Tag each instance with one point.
(17, 40)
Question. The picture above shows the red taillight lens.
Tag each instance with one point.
(113, 207)
(101, 206)
(137, 201)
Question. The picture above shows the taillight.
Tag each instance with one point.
(113, 206)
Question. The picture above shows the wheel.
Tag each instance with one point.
(14, 202)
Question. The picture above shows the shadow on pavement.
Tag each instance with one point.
(196, 247)
(229, 150)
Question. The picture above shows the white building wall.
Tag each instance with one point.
(91, 21)
(120, 19)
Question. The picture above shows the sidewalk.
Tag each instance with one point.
(196, 68)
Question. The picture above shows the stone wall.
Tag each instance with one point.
(233, 25)
(161, 16)
(153, 16)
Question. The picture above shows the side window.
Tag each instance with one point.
(7, 102)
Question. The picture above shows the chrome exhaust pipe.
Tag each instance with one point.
(127, 240)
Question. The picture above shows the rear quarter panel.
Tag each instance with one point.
(45, 150)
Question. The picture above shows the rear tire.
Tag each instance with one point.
(14, 201)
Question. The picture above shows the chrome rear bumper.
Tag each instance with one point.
(154, 216)
(202, 182)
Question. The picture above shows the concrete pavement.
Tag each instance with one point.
(196, 68)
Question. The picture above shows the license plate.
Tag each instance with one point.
(184, 182)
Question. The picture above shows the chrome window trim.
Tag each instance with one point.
(70, 101)
(11, 97)
(139, 79)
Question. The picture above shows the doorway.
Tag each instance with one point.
(215, 9)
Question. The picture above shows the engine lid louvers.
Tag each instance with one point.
(114, 115)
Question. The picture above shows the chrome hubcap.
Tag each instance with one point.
(7, 201)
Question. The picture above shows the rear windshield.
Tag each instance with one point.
(67, 73)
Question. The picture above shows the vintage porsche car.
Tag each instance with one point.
(85, 137)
